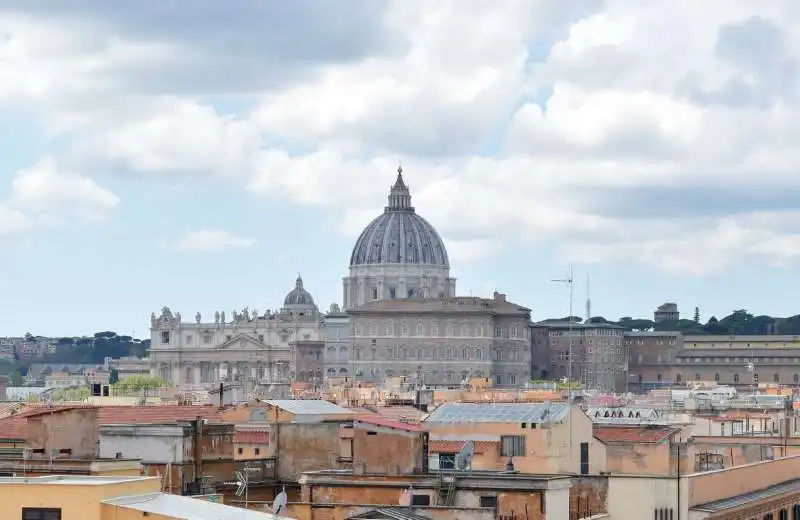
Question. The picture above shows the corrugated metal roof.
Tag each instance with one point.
(186, 507)
(537, 413)
(309, 407)
(791, 486)
(455, 446)
(389, 513)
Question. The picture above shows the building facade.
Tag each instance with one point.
(244, 346)
(599, 359)
(666, 312)
(442, 341)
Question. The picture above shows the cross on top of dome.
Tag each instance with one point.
(399, 195)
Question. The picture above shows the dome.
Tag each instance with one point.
(298, 295)
(399, 235)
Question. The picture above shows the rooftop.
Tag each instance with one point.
(454, 304)
(498, 413)
(388, 423)
(186, 507)
(634, 434)
(309, 407)
(783, 488)
(72, 480)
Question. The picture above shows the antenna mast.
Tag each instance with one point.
(588, 299)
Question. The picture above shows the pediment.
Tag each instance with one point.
(242, 342)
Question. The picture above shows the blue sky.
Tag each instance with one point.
(151, 158)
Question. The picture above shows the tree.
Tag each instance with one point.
(113, 376)
(138, 383)
(697, 314)
(15, 378)
(70, 394)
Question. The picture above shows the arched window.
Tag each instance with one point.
(678, 378)
(735, 378)
(776, 378)
(716, 378)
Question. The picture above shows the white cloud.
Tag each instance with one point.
(211, 240)
(13, 222)
(519, 121)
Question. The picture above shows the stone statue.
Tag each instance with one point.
(178, 317)
(198, 317)
(245, 314)
(153, 318)
(165, 312)
(216, 317)
(335, 308)
(235, 316)
(222, 317)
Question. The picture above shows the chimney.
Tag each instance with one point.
(499, 297)
(221, 393)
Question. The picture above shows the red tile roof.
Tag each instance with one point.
(440, 446)
(13, 427)
(645, 434)
(251, 437)
(155, 414)
(388, 423)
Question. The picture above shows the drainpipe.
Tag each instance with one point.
(197, 430)
(221, 392)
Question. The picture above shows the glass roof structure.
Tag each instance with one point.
(535, 413)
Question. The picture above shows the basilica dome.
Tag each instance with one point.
(399, 235)
(298, 295)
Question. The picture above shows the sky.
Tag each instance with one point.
(154, 153)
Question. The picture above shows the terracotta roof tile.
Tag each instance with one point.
(388, 423)
(644, 434)
(155, 414)
(14, 427)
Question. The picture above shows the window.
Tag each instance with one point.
(189, 339)
(512, 445)
(261, 338)
(796, 379)
(447, 461)
(716, 378)
(735, 378)
(257, 451)
(488, 501)
(41, 513)
(207, 336)
(584, 458)
(776, 378)
(164, 337)
(374, 293)
(241, 450)
(420, 500)
(392, 293)
(755, 378)
(512, 379)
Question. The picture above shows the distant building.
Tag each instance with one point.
(666, 312)
(599, 360)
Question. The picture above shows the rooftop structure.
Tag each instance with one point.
(499, 413)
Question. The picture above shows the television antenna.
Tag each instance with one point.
(570, 282)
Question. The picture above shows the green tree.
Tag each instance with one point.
(113, 376)
(70, 394)
(139, 383)
(15, 378)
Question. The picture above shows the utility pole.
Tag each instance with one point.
(570, 283)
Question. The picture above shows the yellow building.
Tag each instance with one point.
(106, 498)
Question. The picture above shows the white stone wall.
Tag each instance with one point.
(394, 281)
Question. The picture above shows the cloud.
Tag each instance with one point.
(662, 132)
(46, 196)
(212, 241)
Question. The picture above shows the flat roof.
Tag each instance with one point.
(72, 480)
(186, 507)
(309, 407)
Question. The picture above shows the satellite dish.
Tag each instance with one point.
(279, 505)
(464, 457)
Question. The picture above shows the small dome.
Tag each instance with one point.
(298, 295)
(399, 235)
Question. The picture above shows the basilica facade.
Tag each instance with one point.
(400, 316)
